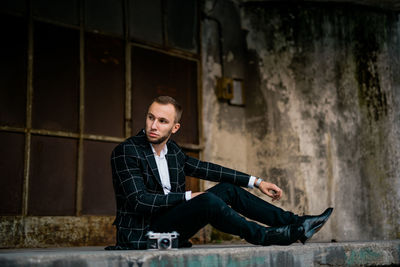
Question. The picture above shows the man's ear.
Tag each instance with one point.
(176, 127)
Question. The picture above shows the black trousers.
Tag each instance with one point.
(221, 207)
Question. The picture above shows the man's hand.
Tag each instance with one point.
(271, 190)
(195, 194)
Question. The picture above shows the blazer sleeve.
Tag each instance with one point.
(214, 172)
(129, 183)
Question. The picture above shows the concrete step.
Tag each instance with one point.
(373, 253)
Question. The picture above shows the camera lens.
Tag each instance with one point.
(164, 243)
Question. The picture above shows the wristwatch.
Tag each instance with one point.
(258, 182)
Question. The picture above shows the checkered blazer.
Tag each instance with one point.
(138, 188)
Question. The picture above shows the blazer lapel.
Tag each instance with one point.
(173, 171)
(152, 163)
(176, 181)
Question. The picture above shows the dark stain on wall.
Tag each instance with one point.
(366, 49)
(257, 107)
(344, 60)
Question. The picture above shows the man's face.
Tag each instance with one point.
(160, 123)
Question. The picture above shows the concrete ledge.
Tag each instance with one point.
(376, 253)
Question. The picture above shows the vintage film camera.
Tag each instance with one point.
(162, 240)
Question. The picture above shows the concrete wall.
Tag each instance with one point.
(224, 138)
(322, 114)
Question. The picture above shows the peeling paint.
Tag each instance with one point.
(322, 116)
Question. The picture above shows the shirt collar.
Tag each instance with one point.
(162, 153)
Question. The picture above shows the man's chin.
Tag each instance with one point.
(155, 141)
(158, 140)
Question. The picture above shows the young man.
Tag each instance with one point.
(149, 172)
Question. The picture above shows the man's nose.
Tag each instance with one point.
(154, 124)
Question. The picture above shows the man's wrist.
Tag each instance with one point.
(258, 182)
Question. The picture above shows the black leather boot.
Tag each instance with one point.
(284, 235)
(312, 224)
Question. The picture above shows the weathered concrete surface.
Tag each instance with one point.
(314, 254)
(45, 231)
(322, 114)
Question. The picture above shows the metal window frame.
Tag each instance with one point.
(80, 135)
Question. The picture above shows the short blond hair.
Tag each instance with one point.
(164, 100)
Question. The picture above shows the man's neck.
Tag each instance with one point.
(159, 147)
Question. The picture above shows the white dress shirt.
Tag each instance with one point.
(162, 166)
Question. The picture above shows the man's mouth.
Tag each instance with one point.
(153, 134)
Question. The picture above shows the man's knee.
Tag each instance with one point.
(209, 202)
(227, 192)
(222, 187)
(211, 208)
(208, 198)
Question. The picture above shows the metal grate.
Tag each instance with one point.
(66, 99)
